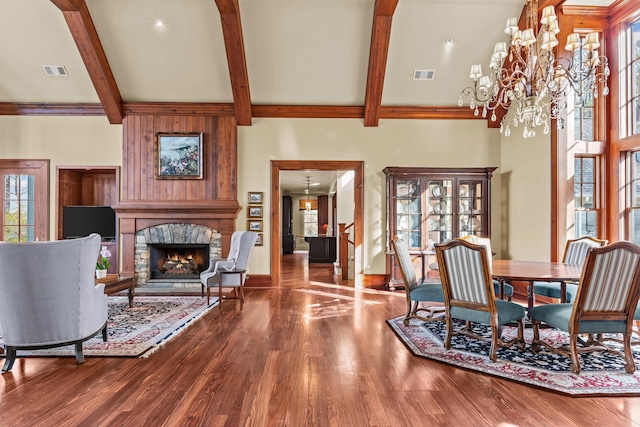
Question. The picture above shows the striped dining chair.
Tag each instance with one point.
(574, 253)
(417, 292)
(469, 296)
(605, 304)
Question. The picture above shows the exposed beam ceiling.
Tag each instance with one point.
(234, 44)
(380, 35)
(86, 37)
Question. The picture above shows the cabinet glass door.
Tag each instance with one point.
(409, 212)
(440, 205)
(471, 214)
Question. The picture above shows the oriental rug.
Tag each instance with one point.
(602, 373)
(136, 331)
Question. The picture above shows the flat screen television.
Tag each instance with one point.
(80, 221)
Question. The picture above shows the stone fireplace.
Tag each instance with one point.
(173, 255)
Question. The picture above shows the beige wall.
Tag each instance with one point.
(64, 141)
(520, 220)
(526, 197)
(393, 143)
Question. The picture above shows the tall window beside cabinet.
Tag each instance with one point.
(426, 206)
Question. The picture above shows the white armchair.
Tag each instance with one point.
(48, 295)
(240, 249)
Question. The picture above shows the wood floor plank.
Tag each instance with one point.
(314, 352)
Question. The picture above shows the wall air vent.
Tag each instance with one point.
(424, 74)
(55, 70)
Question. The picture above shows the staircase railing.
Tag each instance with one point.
(344, 248)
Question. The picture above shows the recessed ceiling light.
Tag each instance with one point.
(449, 41)
(159, 23)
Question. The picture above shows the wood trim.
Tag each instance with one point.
(358, 193)
(49, 109)
(178, 109)
(597, 11)
(400, 112)
(258, 281)
(308, 111)
(380, 35)
(236, 59)
(623, 11)
(40, 169)
(95, 60)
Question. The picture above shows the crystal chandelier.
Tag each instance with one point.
(533, 84)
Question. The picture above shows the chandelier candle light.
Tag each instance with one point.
(533, 84)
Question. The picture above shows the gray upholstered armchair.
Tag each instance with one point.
(239, 251)
(48, 295)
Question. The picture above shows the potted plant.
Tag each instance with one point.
(103, 263)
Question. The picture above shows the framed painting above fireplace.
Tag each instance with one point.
(178, 155)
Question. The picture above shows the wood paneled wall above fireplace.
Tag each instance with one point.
(145, 200)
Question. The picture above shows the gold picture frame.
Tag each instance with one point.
(254, 212)
(254, 225)
(260, 239)
(256, 197)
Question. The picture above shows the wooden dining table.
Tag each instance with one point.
(534, 271)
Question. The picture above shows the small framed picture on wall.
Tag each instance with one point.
(254, 225)
(255, 212)
(259, 240)
(255, 198)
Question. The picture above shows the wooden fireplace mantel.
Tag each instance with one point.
(133, 216)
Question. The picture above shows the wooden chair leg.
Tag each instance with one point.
(495, 334)
(630, 365)
(241, 296)
(447, 339)
(104, 333)
(575, 360)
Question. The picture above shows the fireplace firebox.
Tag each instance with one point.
(177, 261)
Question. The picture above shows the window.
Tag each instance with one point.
(19, 203)
(633, 199)
(25, 214)
(630, 81)
(585, 196)
(583, 113)
(310, 222)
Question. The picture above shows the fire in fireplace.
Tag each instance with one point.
(177, 261)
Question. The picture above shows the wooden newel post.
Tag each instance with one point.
(344, 251)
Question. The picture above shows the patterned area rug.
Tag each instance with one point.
(602, 373)
(137, 331)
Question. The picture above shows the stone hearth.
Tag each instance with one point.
(172, 234)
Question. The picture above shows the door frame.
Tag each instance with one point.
(320, 165)
(42, 207)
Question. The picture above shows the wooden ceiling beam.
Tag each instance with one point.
(49, 109)
(380, 35)
(236, 59)
(95, 60)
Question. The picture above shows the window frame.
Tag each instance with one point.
(597, 188)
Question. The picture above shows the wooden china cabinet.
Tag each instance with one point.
(426, 206)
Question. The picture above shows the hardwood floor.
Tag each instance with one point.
(311, 353)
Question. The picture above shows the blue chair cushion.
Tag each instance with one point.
(508, 289)
(558, 316)
(552, 290)
(427, 292)
(507, 312)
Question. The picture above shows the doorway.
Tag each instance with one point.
(357, 167)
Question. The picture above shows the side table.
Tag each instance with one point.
(114, 283)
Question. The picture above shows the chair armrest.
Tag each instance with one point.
(220, 265)
(212, 264)
(99, 287)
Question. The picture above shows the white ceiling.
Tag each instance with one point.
(298, 52)
(320, 182)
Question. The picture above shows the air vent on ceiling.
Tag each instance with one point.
(55, 70)
(424, 74)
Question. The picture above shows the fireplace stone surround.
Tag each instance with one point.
(172, 234)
